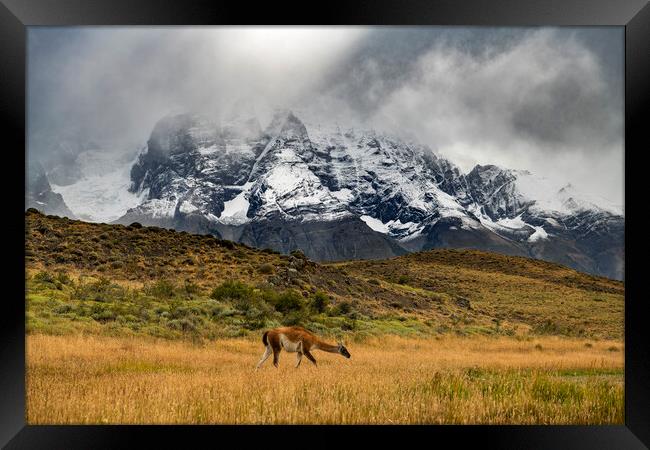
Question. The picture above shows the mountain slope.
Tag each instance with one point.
(40, 195)
(338, 193)
(426, 292)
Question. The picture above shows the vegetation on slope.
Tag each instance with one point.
(117, 280)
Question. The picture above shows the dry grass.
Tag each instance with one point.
(77, 379)
(444, 291)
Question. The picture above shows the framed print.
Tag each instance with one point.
(387, 219)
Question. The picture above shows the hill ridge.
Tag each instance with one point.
(443, 290)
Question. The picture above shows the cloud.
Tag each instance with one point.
(115, 83)
(537, 103)
(547, 100)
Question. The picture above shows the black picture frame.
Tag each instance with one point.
(16, 15)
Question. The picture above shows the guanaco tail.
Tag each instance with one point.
(296, 340)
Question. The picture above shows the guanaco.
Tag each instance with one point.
(296, 340)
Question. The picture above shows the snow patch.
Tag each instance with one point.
(102, 195)
(343, 195)
(187, 207)
(375, 224)
(514, 224)
(562, 198)
(160, 208)
(538, 234)
(553, 222)
(234, 211)
(208, 150)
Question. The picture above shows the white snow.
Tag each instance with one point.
(343, 195)
(553, 222)
(187, 207)
(102, 194)
(564, 198)
(407, 230)
(234, 211)
(208, 150)
(538, 234)
(449, 207)
(514, 224)
(160, 208)
(375, 224)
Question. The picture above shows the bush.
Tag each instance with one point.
(163, 289)
(403, 279)
(319, 302)
(255, 318)
(232, 290)
(104, 315)
(227, 244)
(102, 290)
(265, 268)
(63, 278)
(343, 308)
(292, 319)
(184, 325)
(44, 277)
(288, 301)
(190, 288)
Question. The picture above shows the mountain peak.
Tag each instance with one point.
(296, 183)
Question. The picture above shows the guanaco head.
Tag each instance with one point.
(342, 350)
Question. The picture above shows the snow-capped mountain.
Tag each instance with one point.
(339, 193)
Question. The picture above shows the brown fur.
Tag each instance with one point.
(298, 340)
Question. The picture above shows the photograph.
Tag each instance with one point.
(432, 216)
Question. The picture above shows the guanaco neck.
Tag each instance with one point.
(324, 346)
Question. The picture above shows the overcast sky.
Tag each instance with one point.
(549, 100)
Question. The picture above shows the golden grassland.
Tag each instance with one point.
(78, 379)
(146, 325)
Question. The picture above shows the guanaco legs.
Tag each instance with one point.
(298, 340)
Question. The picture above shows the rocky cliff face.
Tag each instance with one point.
(339, 193)
(39, 195)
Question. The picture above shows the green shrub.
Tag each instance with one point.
(255, 318)
(232, 290)
(227, 244)
(319, 302)
(265, 268)
(343, 308)
(292, 319)
(44, 277)
(288, 301)
(62, 309)
(102, 290)
(190, 288)
(63, 278)
(162, 289)
(184, 325)
(104, 315)
(403, 279)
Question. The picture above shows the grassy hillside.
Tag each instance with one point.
(117, 280)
